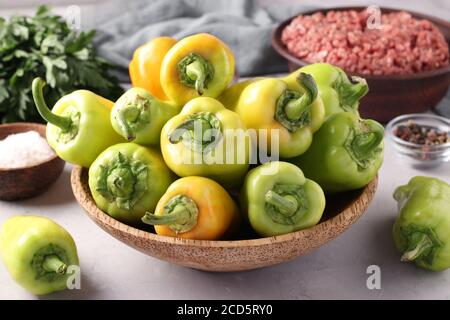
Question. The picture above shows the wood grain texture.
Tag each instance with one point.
(22, 183)
(389, 96)
(233, 255)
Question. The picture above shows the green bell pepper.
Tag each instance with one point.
(279, 199)
(338, 93)
(346, 153)
(78, 127)
(139, 117)
(422, 228)
(37, 252)
(126, 180)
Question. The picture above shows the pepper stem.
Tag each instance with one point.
(123, 117)
(197, 72)
(285, 204)
(293, 107)
(364, 143)
(180, 215)
(123, 180)
(296, 108)
(204, 130)
(358, 89)
(309, 85)
(63, 123)
(53, 264)
(421, 243)
(350, 93)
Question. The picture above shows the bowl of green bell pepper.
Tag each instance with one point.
(246, 250)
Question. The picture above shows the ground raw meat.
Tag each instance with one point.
(401, 45)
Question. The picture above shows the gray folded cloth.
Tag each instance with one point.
(443, 107)
(245, 25)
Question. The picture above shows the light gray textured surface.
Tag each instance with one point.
(112, 270)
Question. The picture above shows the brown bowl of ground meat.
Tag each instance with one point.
(404, 56)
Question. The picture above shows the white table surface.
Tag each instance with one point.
(112, 270)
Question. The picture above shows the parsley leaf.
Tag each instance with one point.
(45, 46)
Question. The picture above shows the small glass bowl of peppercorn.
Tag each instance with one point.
(423, 140)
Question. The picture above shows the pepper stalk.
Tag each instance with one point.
(286, 203)
(293, 108)
(180, 215)
(350, 93)
(53, 263)
(200, 131)
(132, 115)
(420, 244)
(64, 123)
(196, 72)
(364, 142)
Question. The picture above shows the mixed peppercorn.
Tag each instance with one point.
(415, 133)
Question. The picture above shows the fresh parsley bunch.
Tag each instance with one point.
(45, 46)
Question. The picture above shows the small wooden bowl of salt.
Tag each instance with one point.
(28, 166)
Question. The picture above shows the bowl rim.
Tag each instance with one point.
(284, 52)
(395, 121)
(368, 191)
(24, 125)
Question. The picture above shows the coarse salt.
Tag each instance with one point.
(23, 150)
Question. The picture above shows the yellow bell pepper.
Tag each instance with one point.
(295, 110)
(198, 65)
(207, 140)
(145, 66)
(194, 208)
(231, 95)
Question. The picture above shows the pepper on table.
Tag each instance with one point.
(198, 65)
(139, 117)
(37, 253)
(293, 111)
(208, 140)
(79, 126)
(145, 67)
(338, 93)
(194, 208)
(421, 230)
(346, 153)
(279, 199)
(126, 180)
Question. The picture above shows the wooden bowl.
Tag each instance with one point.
(389, 95)
(247, 253)
(22, 183)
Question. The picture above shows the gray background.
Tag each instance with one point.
(111, 270)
